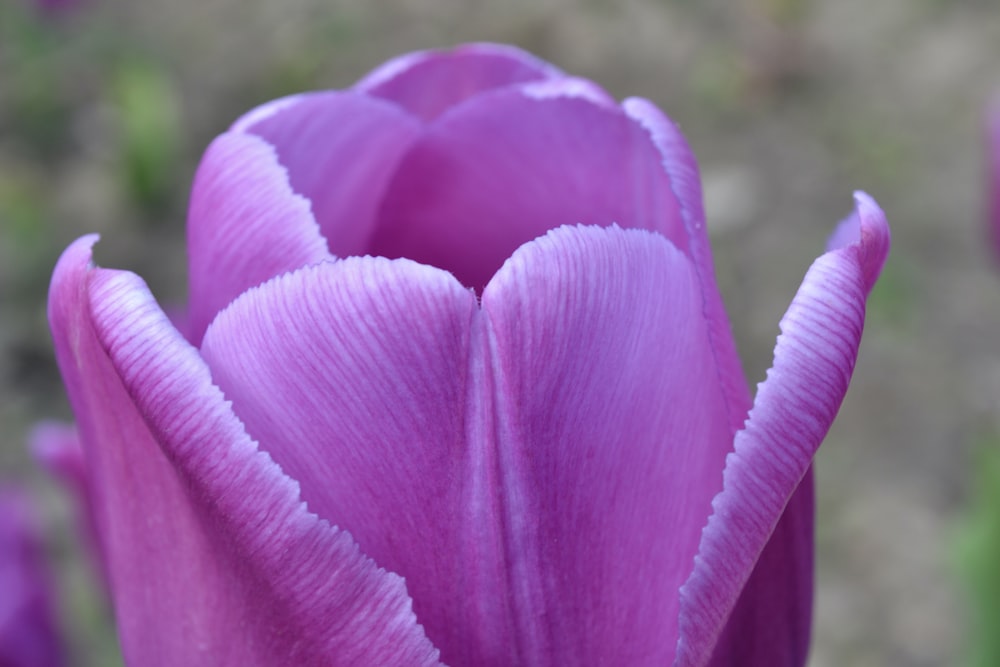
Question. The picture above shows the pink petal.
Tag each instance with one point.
(427, 83)
(340, 150)
(507, 166)
(813, 361)
(245, 225)
(470, 450)
(213, 558)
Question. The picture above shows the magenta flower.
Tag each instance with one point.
(29, 635)
(523, 444)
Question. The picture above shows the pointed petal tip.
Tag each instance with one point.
(79, 249)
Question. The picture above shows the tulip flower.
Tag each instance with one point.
(28, 631)
(455, 386)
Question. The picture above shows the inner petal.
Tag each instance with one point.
(505, 167)
(428, 83)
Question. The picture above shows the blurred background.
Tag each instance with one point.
(790, 105)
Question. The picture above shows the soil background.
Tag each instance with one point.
(790, 105)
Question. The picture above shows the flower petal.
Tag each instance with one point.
(245, 225)
(29, 635)
(340, 149)
(357, 377)
(427, 83)
(813, 361)
(507, 166)
(612, 434)
(469, 451)
(685, 182)
(213, 558)
(771, 622)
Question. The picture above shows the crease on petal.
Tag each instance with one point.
(602, 363)
(245, 226)
(813, 362)
(206, 538)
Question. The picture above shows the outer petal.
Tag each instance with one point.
(213, 558)
(427, 83)
(507, 166)
(29, 635)
(770, 623)
(340, 149)
(469, 451)
(245, 225)
(814, 359)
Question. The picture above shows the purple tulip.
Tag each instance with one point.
(527, 443)
(28, 631)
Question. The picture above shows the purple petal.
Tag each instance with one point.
(507, 166)
(29, 636)
(469, 450)
(340, 150)
(245, 225)
(427, 83)
(771, 623)
(356, 375)
(685, 182)
(813, 361)
(212, 555)
(612, 433)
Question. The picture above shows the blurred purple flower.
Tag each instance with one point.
(993, 171)
(557, 468)
(28, 631)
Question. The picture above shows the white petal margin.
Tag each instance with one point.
(296, 586)
(813, 361)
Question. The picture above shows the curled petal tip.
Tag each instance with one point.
(866, 231)
(875, 237)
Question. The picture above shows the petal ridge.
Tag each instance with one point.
(601, 362)
(256, 564)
